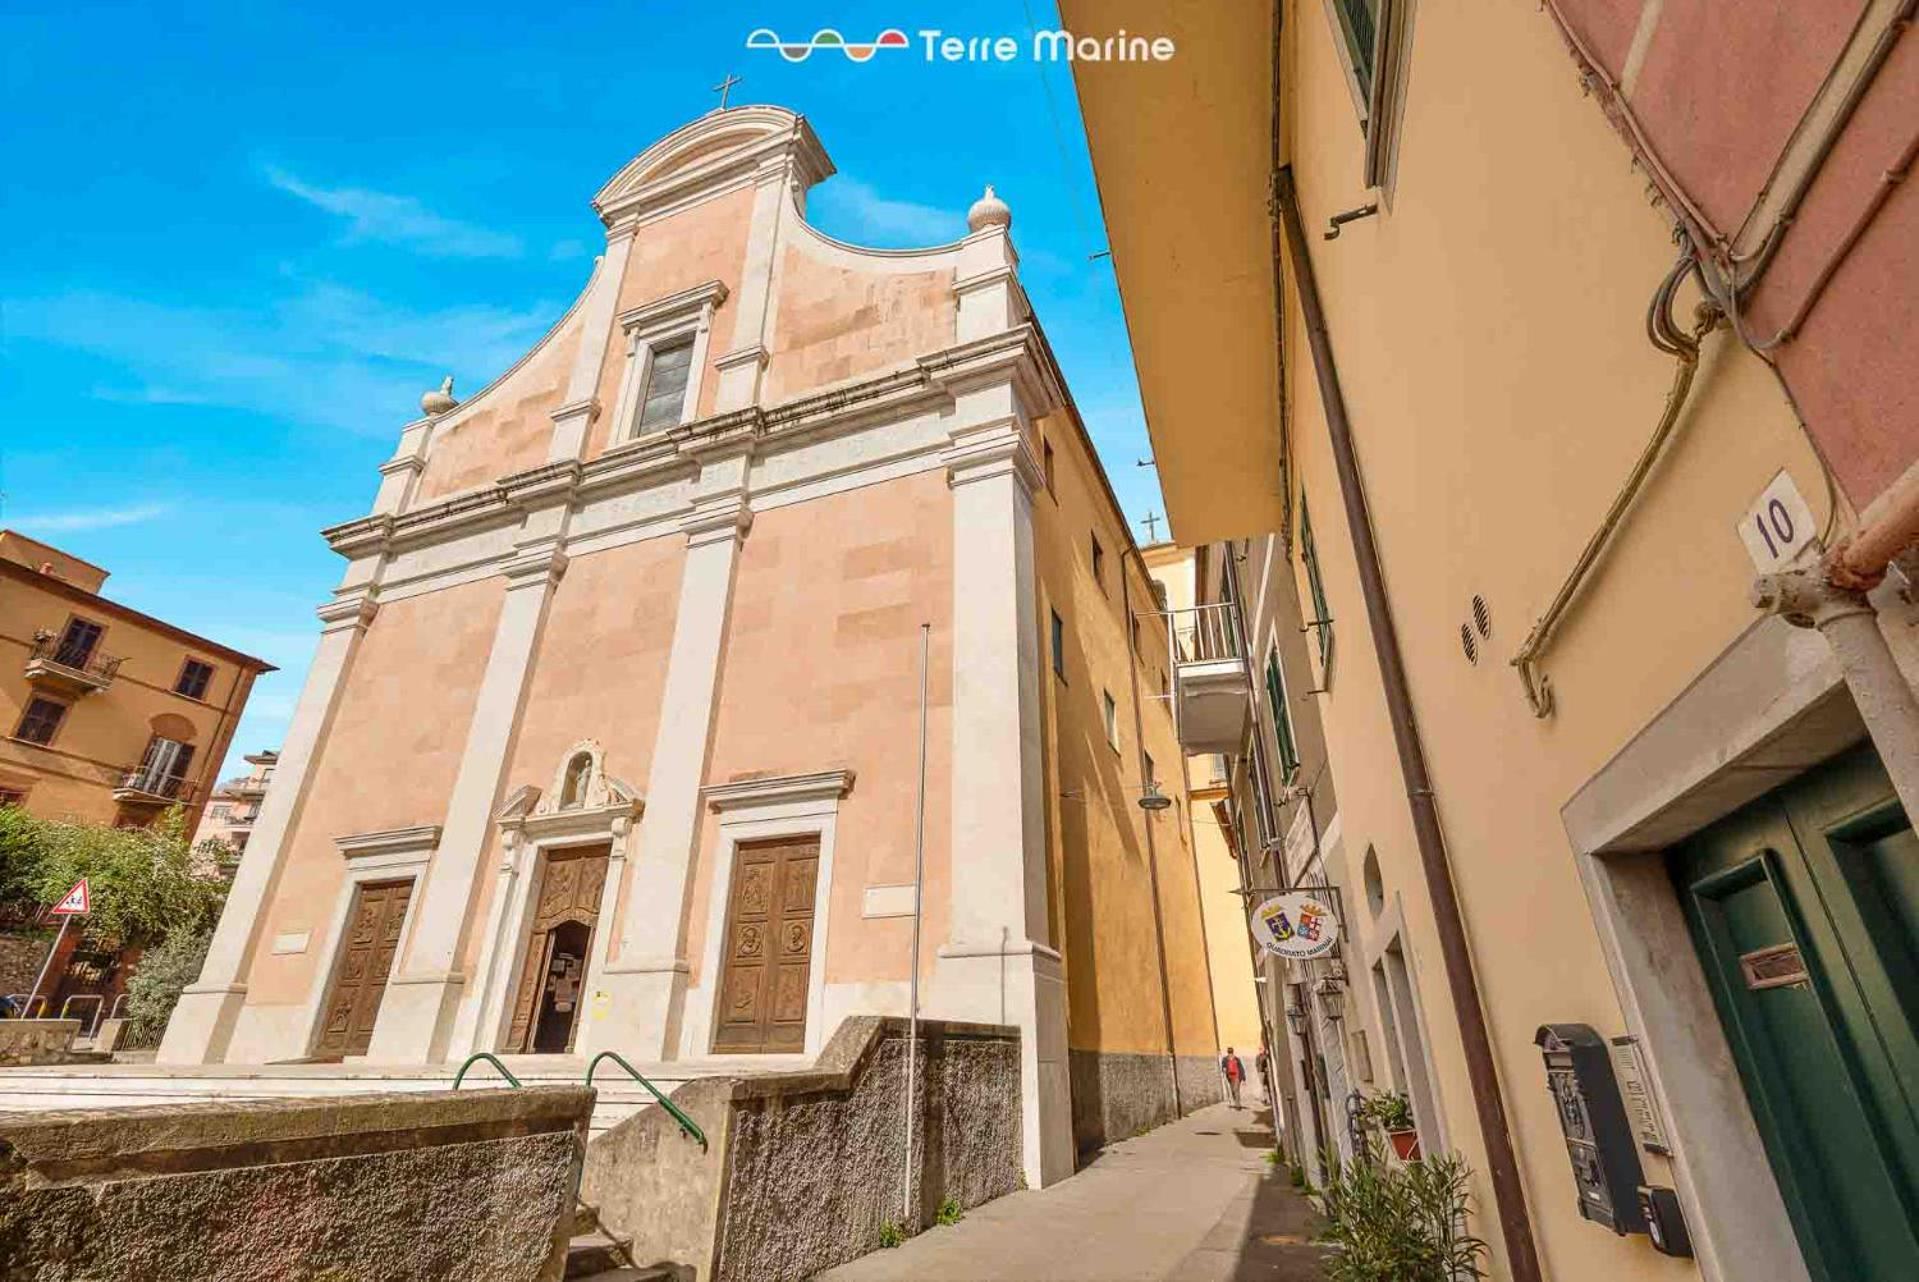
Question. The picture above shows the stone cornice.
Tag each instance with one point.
(825, 785)
(391, 841)
(673, 307)
(352, 611)
(928, 383)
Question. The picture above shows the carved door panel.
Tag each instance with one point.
(366, 959)
(768, 954)
(571, 883)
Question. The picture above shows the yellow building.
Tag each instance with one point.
(111, 715)
(1629, 851)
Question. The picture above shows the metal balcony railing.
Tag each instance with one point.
(1205, 633)
(144, 784)
(53, 656)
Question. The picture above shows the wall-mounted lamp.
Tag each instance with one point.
(1332, 999)
(1153, 798)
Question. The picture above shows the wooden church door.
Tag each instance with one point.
(546, 1007)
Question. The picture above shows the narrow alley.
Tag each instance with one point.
(1195, 1201)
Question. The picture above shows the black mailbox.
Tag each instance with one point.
(1599, 1139)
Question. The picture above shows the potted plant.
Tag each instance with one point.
(1392, 1112)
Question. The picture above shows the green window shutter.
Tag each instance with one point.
(1322, 617)
(1282, 717)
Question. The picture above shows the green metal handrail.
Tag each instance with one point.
(687, 1124)
(494, 1060)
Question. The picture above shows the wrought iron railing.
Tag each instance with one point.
(687, 1125)
(1205, 633)
(84, 660)
(156, 784)
(490, 1058)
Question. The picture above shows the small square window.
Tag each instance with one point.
(12, 797)
(663, 402)
(41, 721)
(195, 676)
(1152, 775)
(1110, 712)
(1059, 646)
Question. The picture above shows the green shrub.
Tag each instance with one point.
(157, 980)
(1392, 1223)
(891, 1235)
(144, 881)
(949, 1212)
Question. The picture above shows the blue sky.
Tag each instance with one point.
(238, 241)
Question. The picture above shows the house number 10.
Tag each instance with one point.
(1777, 526)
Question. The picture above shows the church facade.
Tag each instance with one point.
(613, 736)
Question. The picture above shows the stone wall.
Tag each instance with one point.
(802, 1170)
(429, 1185)
(1117, 1096)
(27, 1042)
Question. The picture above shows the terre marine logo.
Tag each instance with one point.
(826, 38)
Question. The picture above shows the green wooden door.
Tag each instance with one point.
(1804, 907)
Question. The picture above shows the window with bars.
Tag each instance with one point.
(1322, 620)
(41, 721)
(195, 677)
(663, 402)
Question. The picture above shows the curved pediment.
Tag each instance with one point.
(714, 154)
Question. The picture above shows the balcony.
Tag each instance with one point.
(69, 669)
(143, 786)
(1211, 689)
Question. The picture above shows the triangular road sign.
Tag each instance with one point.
(78, 902)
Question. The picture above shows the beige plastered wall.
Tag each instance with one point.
(1101, 904)
(1488, 329)
(820, 671)
(388, 761)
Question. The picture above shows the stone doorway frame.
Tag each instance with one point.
(532, 826)
(1770, 707)
(396, 854)
(756, 810)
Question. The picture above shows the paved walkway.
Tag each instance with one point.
(1191, 1202)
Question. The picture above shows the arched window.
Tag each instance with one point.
(1375, 885)
(573, 794)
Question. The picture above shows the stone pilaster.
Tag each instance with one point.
(424, 993)
(998, 965)
(580, 408)
(741, 368)
(646, 984)
(202, 1025)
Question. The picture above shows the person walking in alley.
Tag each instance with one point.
(1234, 1072)
(1260, 1065)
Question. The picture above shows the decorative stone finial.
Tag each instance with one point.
(438, 403)
(988, 211)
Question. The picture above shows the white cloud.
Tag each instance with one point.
(100, 518)
(869, 218)
(398, 220)
(322, 354)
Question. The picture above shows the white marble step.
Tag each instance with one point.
(145, 1085)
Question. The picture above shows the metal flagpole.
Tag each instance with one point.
(913, 971)
(52, 952)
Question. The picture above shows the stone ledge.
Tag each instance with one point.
(69, 1143)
